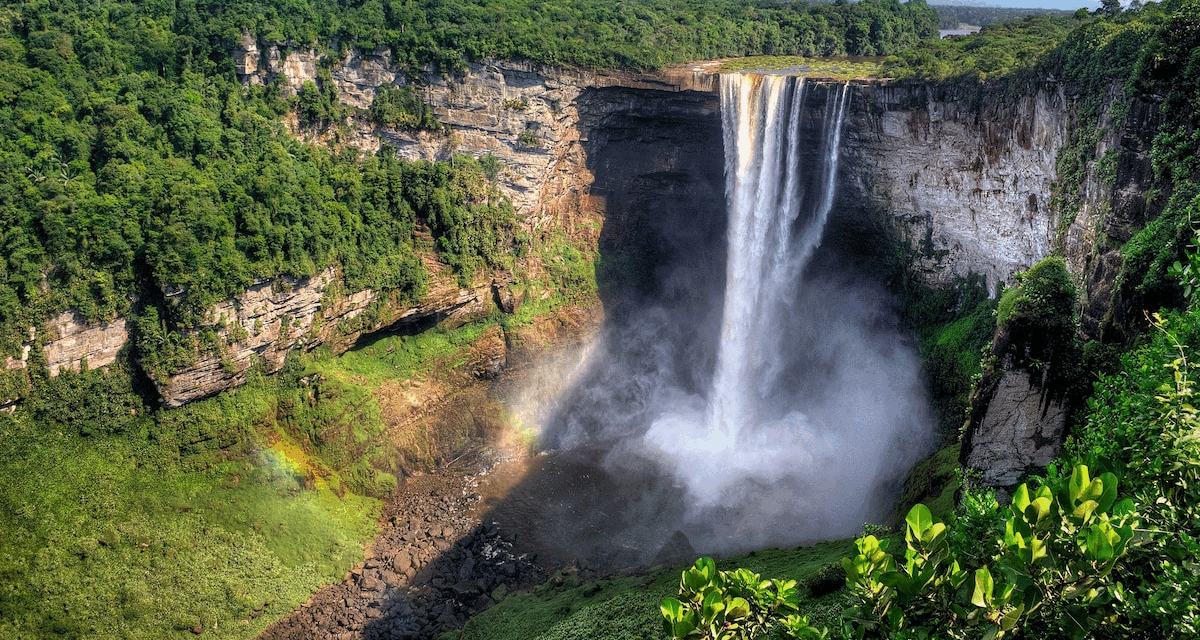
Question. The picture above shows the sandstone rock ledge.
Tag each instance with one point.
(273, 317)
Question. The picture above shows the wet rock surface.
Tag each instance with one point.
(1021, 431)
(433, 565)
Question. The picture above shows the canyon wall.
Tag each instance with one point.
(962, 180)
(608, 145)
(965, 183)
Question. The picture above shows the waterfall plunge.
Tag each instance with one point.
(742, 434)
(795, 417)
(761, 120)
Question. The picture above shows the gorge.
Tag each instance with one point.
(963, 184)
(690, 402)
(639, 396)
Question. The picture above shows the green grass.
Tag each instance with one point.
(626, 608)
(839, 68)
(102, 540)
(618, 608)
(399, 357)
(963, 337)
(117, 521)
(933, 482)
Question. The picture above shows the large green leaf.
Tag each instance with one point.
(700, 575)
(1083, 511)
(738, 609)
(1037, 550)
(1100, 541)
(672, 609)
(678, 621)
(903, 584)
(712, 608)
(1079, 483)
(1125, 507)
(1011, 617)
(1015, 533)
(919, 520)
(1109, 496)
(1020, 499)
(1037, 510)
(982, 596)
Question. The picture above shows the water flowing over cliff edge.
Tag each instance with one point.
(756, 403)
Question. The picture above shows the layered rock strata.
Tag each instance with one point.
(967, 184)
(965, 181)
(262, 325)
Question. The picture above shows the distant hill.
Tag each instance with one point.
(952, 15)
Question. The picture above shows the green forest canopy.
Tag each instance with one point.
(131, 161)
(597, 33)
(133, 164)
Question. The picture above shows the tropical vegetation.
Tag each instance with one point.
(139, 177)
(1104, 545)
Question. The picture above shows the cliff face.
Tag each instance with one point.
(1113, 207)
(966, 184)
(487, 106)
(262, 325)
(627, 160)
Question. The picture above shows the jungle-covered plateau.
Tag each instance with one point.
(249, 301)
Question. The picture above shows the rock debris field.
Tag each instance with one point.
(433, 565)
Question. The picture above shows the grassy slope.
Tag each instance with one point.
(626, 608)
(226, 513)
(106, 537)
(840, 68)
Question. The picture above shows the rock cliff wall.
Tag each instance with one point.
(606, 142)
(487, 106)
(963, 180)
(260, 327)
(1021, 431)
(1113, 207)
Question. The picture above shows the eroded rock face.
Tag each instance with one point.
(964, 180)
(966, 183)
(262, 325)
(1113, 208)
(1022, 430)
(487, 106)
(585, 124)
(72, 341)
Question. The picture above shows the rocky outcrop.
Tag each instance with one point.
(1030, 380)
(1022, 430)
(1113, 207)
(965, 181)
(260, 327)
(488, 107)
(73, 342)
(608, 143)
(70, 342)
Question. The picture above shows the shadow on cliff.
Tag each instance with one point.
(657, 162)
(588, 502)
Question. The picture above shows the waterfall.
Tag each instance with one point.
(752, 429)
(761, 122)
(799, 419)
